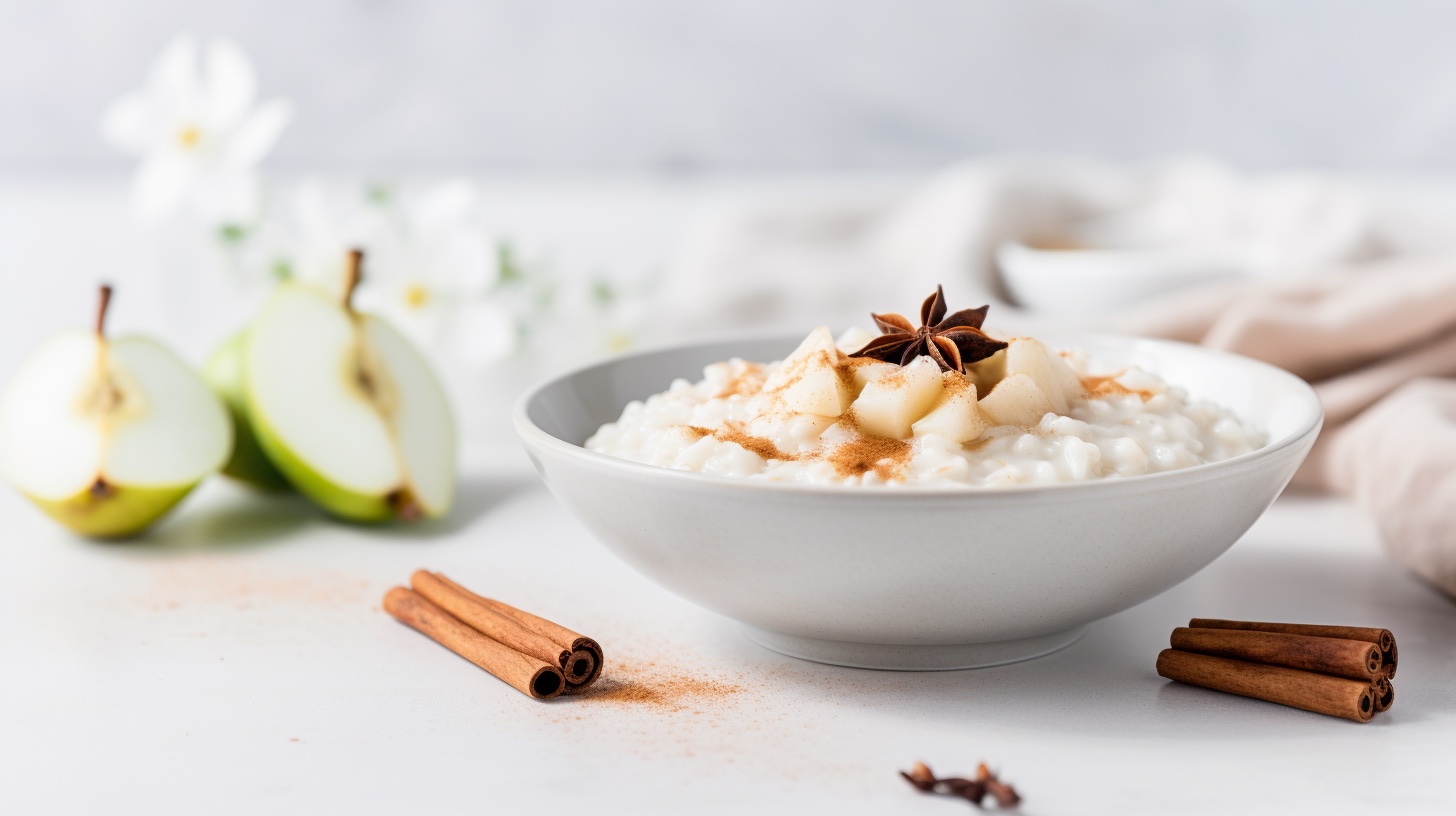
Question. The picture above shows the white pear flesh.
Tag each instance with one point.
(955, 415)
(854, 338)
(865, 370)
(1047, 369)
(887, 407)
(1016, 400)
(348, 410)
(819, 391)
(107, 435)
(1029, 357)
(808, 381)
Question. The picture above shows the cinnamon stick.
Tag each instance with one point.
(528, 675)
(1322, 694)
(1355, 659)
(1381, 637)
(558, 635)
(1384, 694)
(576, 665)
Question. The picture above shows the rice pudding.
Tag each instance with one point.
(830, 414)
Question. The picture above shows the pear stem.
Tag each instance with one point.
(101, 307)
(353, 275)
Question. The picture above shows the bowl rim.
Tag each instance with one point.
(533, 435)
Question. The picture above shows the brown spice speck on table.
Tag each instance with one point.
(975, 790)
(631, 683)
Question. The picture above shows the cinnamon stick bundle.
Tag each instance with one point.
(579, 658)
(1381, 637)
(1384, 694)
(531, 676)
(1355, 659)
(1320, 693)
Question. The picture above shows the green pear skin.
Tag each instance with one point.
(116, 512)
(248, 463)
(342, 503)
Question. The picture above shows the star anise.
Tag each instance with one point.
(952, 342)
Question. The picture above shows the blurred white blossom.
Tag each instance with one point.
(430, 258)
(199, 133)
(308, 234)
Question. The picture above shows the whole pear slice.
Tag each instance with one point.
(347, 409)
(107, 435)
(248, 463)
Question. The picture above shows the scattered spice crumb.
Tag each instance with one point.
(975, 790)
(633, 683)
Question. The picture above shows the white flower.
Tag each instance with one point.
(199, 134)
(309, 237)
(430, 271)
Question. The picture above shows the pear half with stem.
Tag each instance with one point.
(347, 409)
(107, 435)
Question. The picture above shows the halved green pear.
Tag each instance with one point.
(106, 436)
(347, 409)
(248, 463)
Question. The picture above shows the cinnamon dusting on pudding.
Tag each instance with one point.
(734, 432)
(746, 384)
(824, 416)
(887, 458)
(1108, 386)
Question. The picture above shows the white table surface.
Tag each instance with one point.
(236, 660)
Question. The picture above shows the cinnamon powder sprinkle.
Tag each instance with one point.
(764, 448)
(1110, 387)
(733, 432)
(746, 384)
(646, 684)
(886, 457)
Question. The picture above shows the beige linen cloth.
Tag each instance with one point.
(1351, 288)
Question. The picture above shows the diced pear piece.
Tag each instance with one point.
(808, 381)
(1067, 378)
(988, 372)
(819, 391)
(854, 338)
(1030, 357)
(865, 370)
(1016, 400)
(888, 406)
(955, 415)
(817, 348)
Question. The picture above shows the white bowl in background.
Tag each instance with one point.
(1082, 280)
(916, 578)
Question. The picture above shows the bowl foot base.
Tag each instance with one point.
(913, 658)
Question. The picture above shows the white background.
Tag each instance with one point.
(433, 84)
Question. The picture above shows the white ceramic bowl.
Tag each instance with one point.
(1078, 282)
(916, 578)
